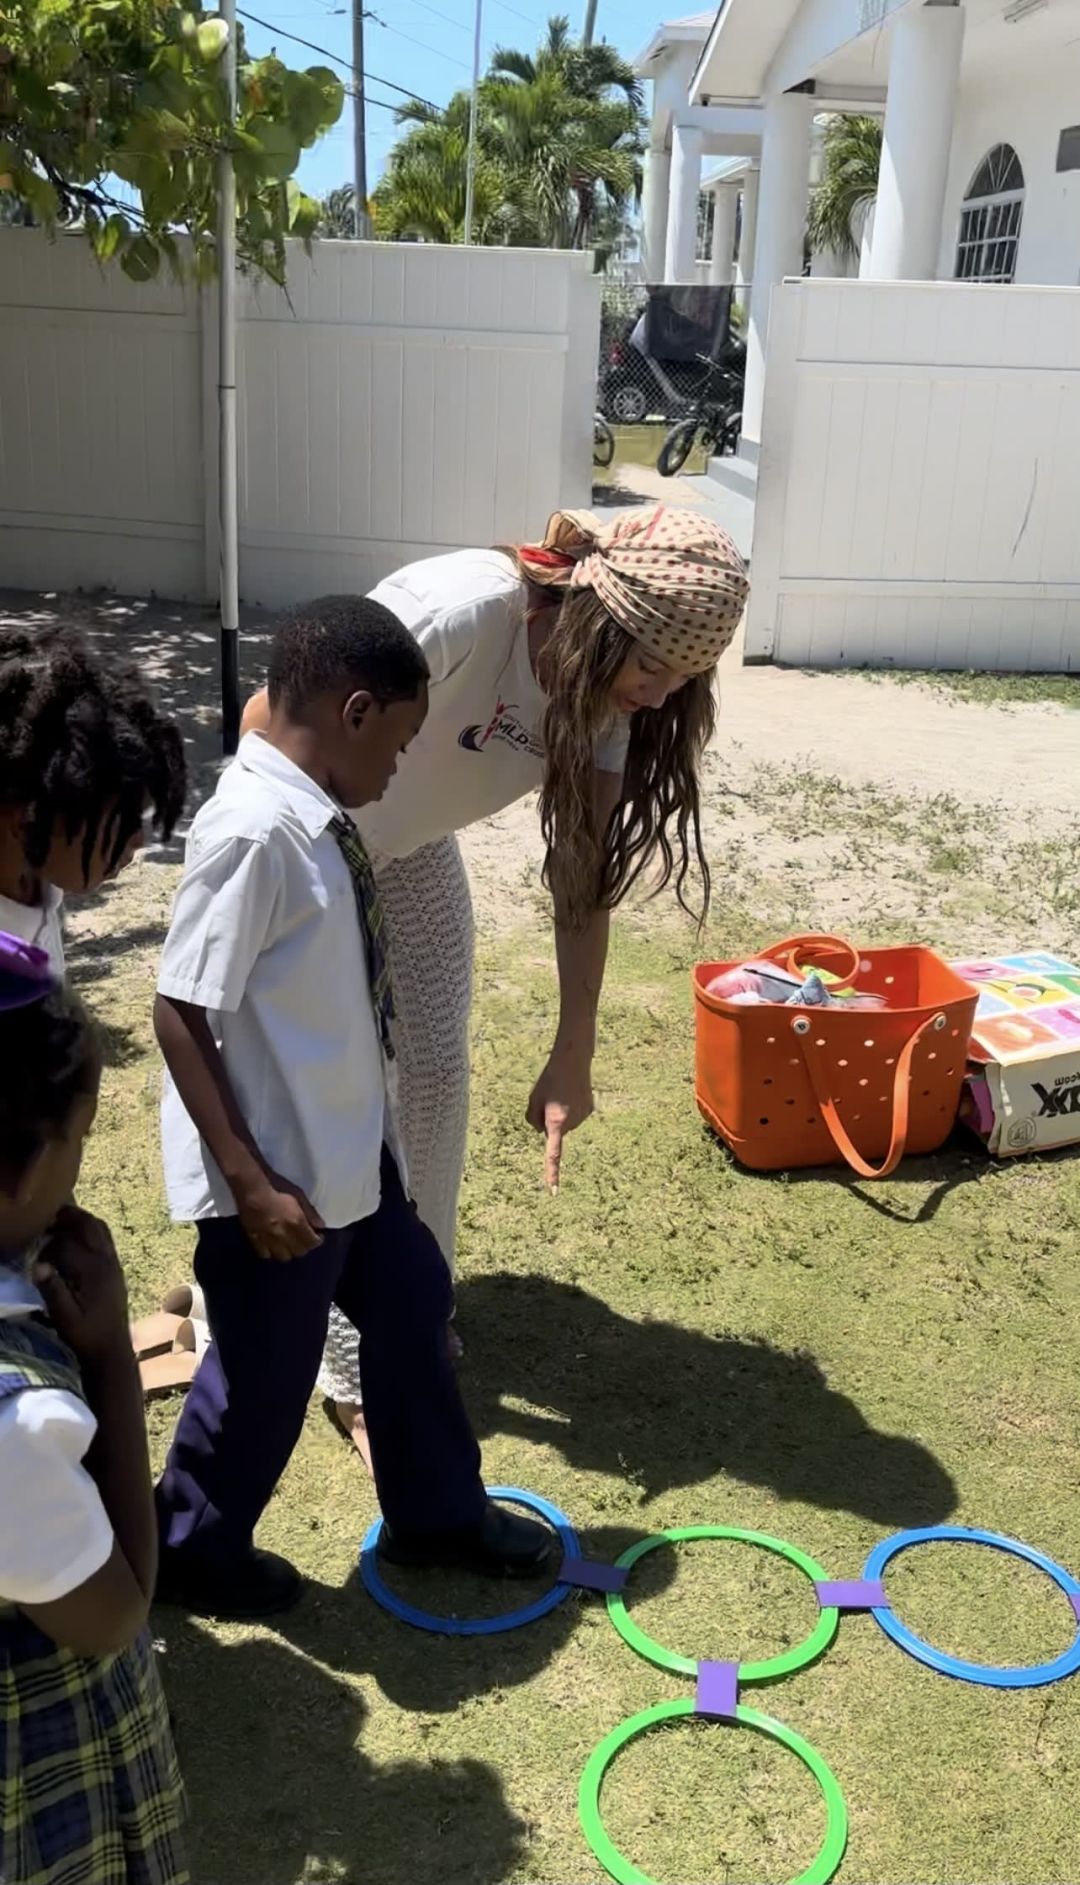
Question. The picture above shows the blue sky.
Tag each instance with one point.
(425, 45)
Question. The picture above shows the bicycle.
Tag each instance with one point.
(603, 442)
(715, 419)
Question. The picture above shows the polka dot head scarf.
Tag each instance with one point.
(671, 578)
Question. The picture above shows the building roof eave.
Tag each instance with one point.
(741, 45)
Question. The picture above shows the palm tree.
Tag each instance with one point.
(851, 159)
(339, 213)
(559, 138)
(574, 148)
(422, 193)
(588, 72)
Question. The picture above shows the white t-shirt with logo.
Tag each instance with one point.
(481, 747)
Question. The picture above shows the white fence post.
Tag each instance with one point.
(211, 467)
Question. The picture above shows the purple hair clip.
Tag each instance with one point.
(25, 973)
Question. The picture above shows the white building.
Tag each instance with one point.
(981, 165)
(979, 184)
(683, 132)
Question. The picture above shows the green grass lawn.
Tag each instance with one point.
(669, 1342)
(640, 445)
(991, 690)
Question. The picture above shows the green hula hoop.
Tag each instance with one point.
(773, 1667)
(836, 1829)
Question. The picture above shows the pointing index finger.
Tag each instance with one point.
(553, 1154)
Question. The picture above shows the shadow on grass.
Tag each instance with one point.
(437, 1675)
(279, 1789)
(665, 1407)
(961, 1162)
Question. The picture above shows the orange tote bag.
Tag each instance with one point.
(787, 1088)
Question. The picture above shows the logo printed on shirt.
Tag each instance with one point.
(504, 729)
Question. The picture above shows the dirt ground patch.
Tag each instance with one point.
(816, 783)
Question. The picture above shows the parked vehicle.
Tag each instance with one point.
(603, 450)
(657, 368)
(715, 419)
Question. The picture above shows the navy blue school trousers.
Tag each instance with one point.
(246, 1406)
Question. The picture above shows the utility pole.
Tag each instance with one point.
(590, 23)
(474, 107)
(228, 530)
(363, 220)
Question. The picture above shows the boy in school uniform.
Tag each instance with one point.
(274, 1014)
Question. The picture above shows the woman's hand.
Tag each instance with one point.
(80, 1277)
(561, 1100)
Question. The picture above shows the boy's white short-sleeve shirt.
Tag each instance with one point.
(481, 747)
(265, 936)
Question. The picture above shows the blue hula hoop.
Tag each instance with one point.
(475, 1626)
(1033, 1677)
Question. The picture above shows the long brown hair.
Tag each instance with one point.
(658, 816)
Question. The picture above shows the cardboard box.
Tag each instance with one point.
(1022, 1092)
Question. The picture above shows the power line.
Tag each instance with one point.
(448, 56)
(529, 18)
(325, 53)
(383, 103)
(448, 17)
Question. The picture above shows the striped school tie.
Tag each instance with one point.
(372, 924)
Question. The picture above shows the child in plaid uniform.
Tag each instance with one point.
(90, 1793)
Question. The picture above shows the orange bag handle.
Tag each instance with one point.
(787, 955)
(901, 1102)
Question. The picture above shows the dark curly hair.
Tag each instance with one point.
(82, 746)
(55, 1047)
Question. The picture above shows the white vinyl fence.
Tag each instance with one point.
(400, 400)
(919, 480)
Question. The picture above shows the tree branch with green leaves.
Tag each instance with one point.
(114, 116)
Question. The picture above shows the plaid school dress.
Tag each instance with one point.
(90, 1790)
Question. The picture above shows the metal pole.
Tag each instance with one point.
(363, 220)
(227, 499)
(590, 23)
(470, 172)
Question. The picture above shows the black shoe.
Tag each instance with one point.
(234, 1590)
(502, 1545)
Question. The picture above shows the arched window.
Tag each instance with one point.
(990, 219)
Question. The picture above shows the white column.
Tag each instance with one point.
(744, 265)
(866, 242)
(924, 65)
(654, 213)
(680, 262)
(725, 201)
(781, 232)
